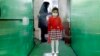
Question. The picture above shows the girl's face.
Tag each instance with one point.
(55, 13)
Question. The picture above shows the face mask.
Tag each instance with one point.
(55, 14)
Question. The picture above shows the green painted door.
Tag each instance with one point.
(85, 27)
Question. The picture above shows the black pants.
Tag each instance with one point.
(43, 32)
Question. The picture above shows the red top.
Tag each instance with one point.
(55, 23)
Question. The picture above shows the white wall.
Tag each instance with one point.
(37, 6)
(64, 10)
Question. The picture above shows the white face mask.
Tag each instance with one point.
(55, 14)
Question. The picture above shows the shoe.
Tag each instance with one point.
(57, 52)
(53, 54)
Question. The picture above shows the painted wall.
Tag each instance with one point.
(16, 27)
(85, 27)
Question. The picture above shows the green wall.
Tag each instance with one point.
(16, 9)
(16, 39)
(85, 27)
